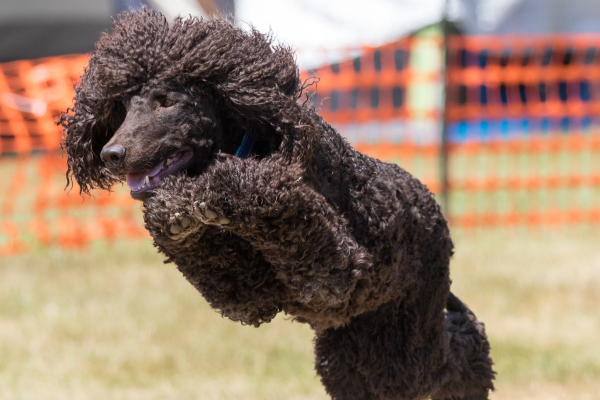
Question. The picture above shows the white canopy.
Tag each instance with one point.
(36, 28)
(339, 23)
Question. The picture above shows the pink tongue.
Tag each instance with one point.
(154, 171)
(136, 179)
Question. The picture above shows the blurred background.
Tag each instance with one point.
(494, 104)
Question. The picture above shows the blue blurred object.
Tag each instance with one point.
(517, 128)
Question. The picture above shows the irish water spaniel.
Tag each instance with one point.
(265, 208)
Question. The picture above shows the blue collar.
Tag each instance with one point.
(245, 148)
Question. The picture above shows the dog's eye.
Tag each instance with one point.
(167, 103)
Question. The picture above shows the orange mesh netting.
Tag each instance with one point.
(370, 84)
(380, 98)
(32, 94)
(34, 208)
(522, 123)
(523, 117)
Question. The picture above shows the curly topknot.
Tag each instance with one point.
(253, 78)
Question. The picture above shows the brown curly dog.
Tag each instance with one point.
(264, 207)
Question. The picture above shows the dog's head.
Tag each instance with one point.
(159, 99)
(166, 130)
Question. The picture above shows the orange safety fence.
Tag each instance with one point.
(515, 157)
(370, 83)
(32, 94)
(532, 76)
(35, 209)
(547, 218)
(573, 144)
(523, 115)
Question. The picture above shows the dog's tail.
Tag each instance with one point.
(468, 370)
(453, 304)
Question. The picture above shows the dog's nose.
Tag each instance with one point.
(113, 155)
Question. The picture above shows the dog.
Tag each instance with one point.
(265, 208)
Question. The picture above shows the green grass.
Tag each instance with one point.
(117, 323)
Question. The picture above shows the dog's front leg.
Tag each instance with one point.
(169, 215)
(296, 230)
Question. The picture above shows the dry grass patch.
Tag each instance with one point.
(116, 323)
(539, 297)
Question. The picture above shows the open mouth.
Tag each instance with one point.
(142, 181)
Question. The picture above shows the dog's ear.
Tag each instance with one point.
(278, 118)
(266, 99)
(88, 126)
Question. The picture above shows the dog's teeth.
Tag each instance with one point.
(168, 162)
(147, 180)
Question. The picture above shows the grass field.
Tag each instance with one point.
(117, 323)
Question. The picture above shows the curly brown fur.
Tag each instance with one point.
(354, 247)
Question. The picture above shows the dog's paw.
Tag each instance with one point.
(208, 215)
(180, 225)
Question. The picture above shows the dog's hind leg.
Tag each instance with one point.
(468, 372)
(335, 363)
